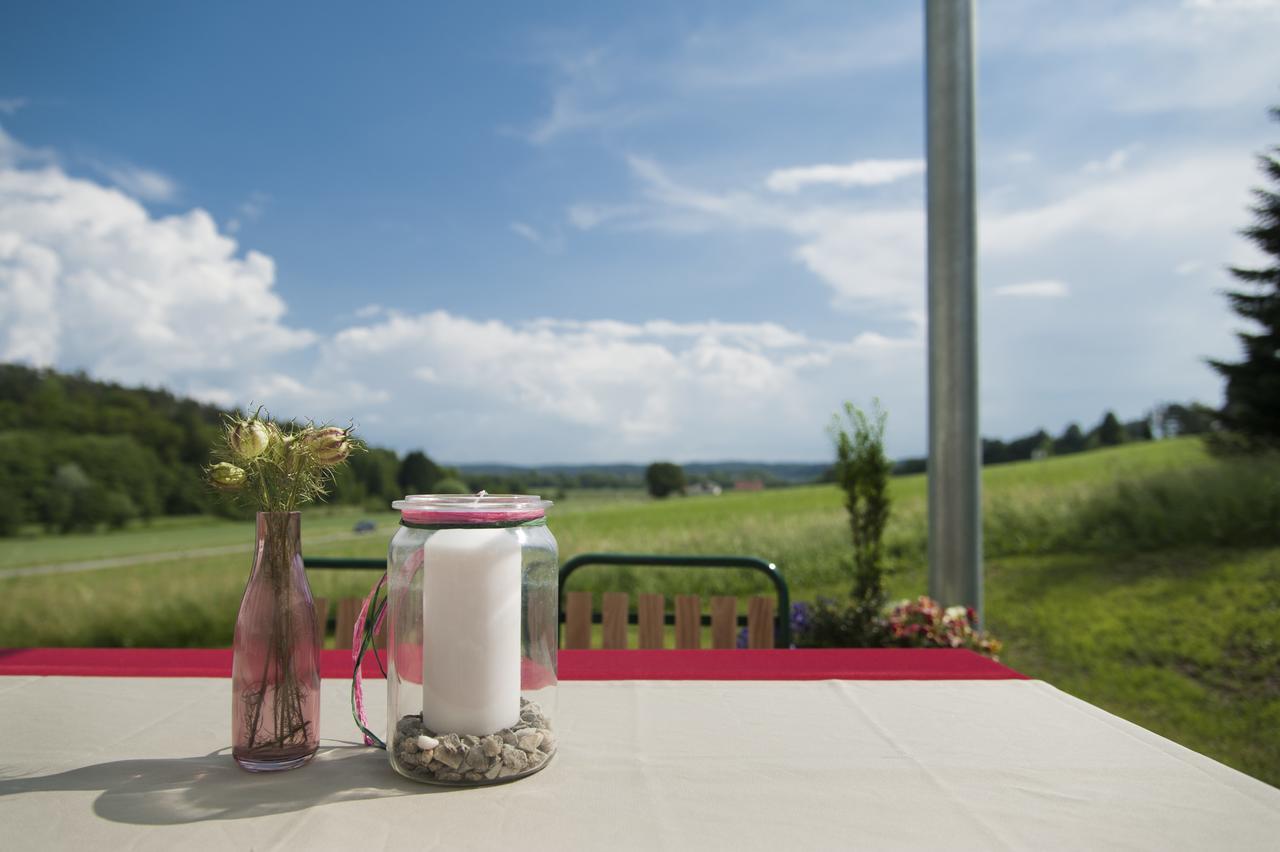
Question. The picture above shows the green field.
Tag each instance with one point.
(1144, 579)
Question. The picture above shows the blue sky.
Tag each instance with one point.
(592, 233)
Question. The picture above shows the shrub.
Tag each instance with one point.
(450, 485)
(664, 478)
(862, 470)
(838, 624)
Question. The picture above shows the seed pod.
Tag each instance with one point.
(328, 446)
(226, 476)
(249, 438)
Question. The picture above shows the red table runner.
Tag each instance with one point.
(804, 664)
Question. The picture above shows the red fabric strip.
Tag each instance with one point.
(801, 664)
(825, 664)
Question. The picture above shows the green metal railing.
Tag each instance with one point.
(782, 619)
(364, 563)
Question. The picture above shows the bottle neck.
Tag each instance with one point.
(279, 543)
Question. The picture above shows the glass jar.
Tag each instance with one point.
(471, 679)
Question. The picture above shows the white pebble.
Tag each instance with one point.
(529, 740)
(426, 743)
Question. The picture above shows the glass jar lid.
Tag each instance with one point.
(471, 509)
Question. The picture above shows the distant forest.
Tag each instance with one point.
(76, 453)
(1163, 421)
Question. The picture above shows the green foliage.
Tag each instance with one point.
(1234, 502)
(856, 623)
(1252, 409)
(1020, 449)
(664, 478)
(143, 445)
(369, 478)
(450, 485)
(1071, 441)
(14, 511)
(1109, 432)
(1182, 641)
(862, 472)
(141, 452)
(1174, 419)
(418, 474)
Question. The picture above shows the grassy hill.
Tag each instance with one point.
(1143, 578)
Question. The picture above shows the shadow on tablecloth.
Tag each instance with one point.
(196, 789)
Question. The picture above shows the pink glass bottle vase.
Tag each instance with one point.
(275, 702)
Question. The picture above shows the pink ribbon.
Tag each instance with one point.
(358, 649)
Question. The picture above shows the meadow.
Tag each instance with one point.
(1143, 578)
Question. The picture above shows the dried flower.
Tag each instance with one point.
(248, 439)
(278, 468)
(328, 446)
(226, 476)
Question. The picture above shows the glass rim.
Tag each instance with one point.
(466, 504)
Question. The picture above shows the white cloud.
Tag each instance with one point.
(1186, 196)
(859, 173)
(526, 231)
(13, 153)
(549, 240)
(569, 115)
(1113, 162)
(606, 389)
(607, 82)
(871, 259)
(9, 106)
(1113, 232)
(1140, 57)
(1232, 5)
(1048, 289)
(147, 184)
(88, 278)
(249, 210)
(585, 216)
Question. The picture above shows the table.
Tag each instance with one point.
(963, 755)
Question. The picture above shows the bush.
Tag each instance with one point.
(1232, 502)
(920, 623)
(451, 486)
(118, 510)
(862, 470)
(838, 624)
(664, 478)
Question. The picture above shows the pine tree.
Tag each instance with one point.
(1252, 408)
(1110, 433)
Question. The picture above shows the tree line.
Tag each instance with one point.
(1164, 421)
(76, 453)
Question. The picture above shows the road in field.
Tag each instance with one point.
(146, 558)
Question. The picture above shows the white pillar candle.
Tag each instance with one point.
(470, 631)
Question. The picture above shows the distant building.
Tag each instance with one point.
(749, 485)
(705, 488)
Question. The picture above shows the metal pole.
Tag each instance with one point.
(955, 450)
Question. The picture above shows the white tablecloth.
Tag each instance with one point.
(142, 763)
